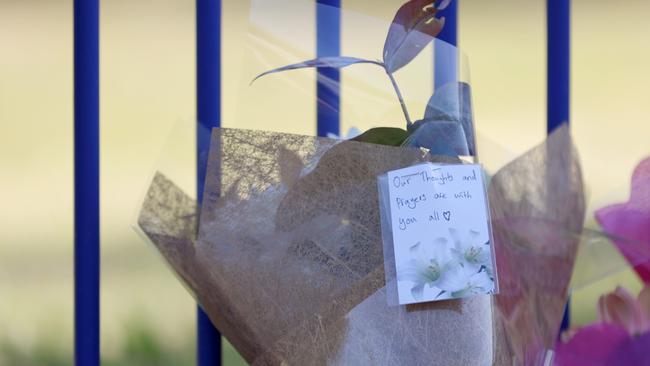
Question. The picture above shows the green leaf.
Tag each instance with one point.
(413, 28)
(389, 136)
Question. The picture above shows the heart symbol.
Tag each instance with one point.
(447, 215)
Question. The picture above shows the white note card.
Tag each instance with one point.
(441, 232)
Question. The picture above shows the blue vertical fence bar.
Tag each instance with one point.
(86, 181)
(558, 14)
(558, 19)
(446, 62)
(208, 108)
(328, 43)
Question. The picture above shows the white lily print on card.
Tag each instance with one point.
(471, 251)
(426, 267)
(462, 280)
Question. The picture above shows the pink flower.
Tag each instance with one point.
(592, 345)
(620, 307)
(622, 337)
(631, 220)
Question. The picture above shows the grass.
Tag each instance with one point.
(142, 345)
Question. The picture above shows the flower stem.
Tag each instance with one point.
(399, 96)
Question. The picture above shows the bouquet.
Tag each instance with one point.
(285, 255)
(621, 335)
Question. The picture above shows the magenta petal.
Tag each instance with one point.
(631, 220)
(641, 183)
(634, 351)
(630, 224)
(592, 345)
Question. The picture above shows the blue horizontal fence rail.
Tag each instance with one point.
(558, 19)
(208, 110)
(328, 43)
(86, 182)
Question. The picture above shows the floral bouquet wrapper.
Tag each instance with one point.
(287, 257)
(285, 253)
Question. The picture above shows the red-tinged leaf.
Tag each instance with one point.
(413, 28)
(332, 62)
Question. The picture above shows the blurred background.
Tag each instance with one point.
(148, 90)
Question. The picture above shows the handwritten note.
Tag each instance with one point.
(441, 232)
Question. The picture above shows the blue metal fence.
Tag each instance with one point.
(86, 181)
(208, 111)
(558, 14)
(328, 43)
(558, 93)
(208, 41)
(446, 63)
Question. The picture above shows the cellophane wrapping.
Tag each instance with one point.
(284, 252)
(287, 258)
